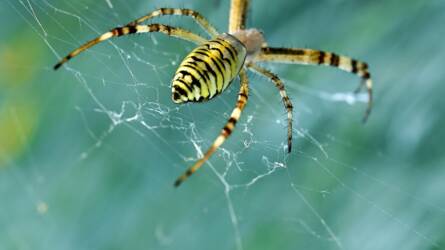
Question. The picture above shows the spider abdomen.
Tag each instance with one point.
(208, 70)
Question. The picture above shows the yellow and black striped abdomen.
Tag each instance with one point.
(208, 69)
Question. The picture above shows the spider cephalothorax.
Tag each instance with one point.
(253, 40)
(209, 69)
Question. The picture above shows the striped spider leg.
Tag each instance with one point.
(238, 15)
(317, 57)
(286, 101)
(132, 29)
(179, 12)
(225, 132)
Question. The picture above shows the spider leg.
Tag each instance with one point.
(317, 57)
(286, 101)
(225, 132)
(132, 29)
(200, 19)
(238, 13)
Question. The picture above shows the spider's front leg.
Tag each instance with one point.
(225, 132)
(200, 19)
(132, 29)
(238, 15)
(317, 57)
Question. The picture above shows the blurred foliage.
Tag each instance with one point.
(78, 172)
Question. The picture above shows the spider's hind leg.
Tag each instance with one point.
(286, 101)
(225, 132)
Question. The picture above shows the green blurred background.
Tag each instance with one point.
(88, 154)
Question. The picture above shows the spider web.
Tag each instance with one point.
(99, 173)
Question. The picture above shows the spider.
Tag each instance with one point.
(210, 68)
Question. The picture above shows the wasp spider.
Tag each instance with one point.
(210, 68)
